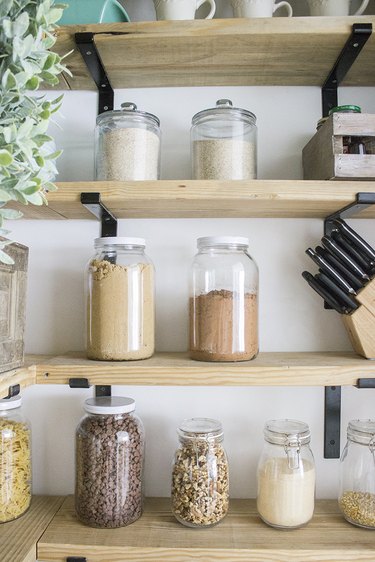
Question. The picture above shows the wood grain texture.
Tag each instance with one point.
(360, 326)
(219, 52)
(240, 536)
(176, 369)
(18, 538)
(208, 199)
(24, 376)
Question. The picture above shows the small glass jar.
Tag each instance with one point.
(127, 145)
(357, 474)
(120, 301)
(224, 143)
(109, 463)
(286, 475)
(223, 305)
(200, 476)
(15, 460)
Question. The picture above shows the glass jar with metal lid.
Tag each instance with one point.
(286, 475)
(127, 145)
(224, 143)
(15, 460)
(120, 300)
(200, 477)
(357, 474)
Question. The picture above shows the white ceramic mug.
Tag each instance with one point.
(258, 8)
(181, 9)
(334, 7)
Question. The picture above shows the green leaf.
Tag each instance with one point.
(5, 258)
(31, 190)
(6, 158)
(36, 199)
(33, 83)
(11, 214)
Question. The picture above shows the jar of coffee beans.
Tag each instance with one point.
(200, 479)
(224, 143)
(109, 463)
(357, 474)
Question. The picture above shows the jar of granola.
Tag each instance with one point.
(200, 480)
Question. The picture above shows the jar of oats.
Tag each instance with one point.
(224, 143)
(120, 301)
(200, 479)
(127, 145)
(357, 474)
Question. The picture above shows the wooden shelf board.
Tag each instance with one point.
(18, 538)
(220, 52)
(208, 199)
(176, 369)
(24, 376)
(240, 536)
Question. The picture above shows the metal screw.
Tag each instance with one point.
(332, 442)
(88, 53)
(355, 45)
(105, 107)
(104, 85)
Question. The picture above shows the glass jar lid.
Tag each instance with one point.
(200, 428)
(10, 403)
(119, 241)
(109, 405)
(361, 431)
(222, 241)
(224, 107)
(128, 109)
(345, 109)
(287, 432)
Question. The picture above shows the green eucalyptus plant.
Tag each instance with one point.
(27, 161)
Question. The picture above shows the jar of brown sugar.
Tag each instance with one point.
(223, 307)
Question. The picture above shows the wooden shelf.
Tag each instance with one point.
(176, 369)
(220, 52)
(205, 199)
(18, 539)
(240, 536)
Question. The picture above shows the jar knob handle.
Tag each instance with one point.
(224, 103)
(128, 106)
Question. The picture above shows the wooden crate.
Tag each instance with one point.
(323, 157)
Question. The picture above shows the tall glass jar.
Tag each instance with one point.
(109, 463)
(120, 301)
(223, 305)
(286, 475)
(127, 145)
(15, 460)
(357, 474)
(200, 477)
(224, 143)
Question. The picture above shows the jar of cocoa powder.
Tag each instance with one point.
(223, 307)
(109, 463)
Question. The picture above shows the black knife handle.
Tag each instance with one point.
(329, 270)
(320, 289)
(363, 262)
(332, 260)
(332, 247)
(337, 293)
(355, 238)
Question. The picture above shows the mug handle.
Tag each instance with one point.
(213, 7)
(289, 7)
(362, 8)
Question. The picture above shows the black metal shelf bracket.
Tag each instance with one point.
(76, 559)
(363, 200)
(93, 203)
(360, 34)
(332, 421)
(100, 389)
(86, 46)
(13, 390)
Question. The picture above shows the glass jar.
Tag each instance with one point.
(120, 301)
(286, 475)
(127, 145)
(224, 143)
(223, 305)
(15, 460)
(109, 463)
(200, 477)
(357, 474)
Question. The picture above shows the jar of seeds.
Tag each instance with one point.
(127, 145)
(200, 480)
(109, 463)
(357, 474)
(224, 143)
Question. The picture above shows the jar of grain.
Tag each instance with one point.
(200, 477)
(224, 143)
(15, 460)
(223, 307)
(286, 475)
(120, 301)
(109, 463)
(127, 145)
(357, 474)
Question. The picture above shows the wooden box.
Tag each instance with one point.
(13, 280)
(323, 157)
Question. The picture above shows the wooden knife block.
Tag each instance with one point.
(360, 325)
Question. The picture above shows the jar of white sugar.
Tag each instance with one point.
(224, 143)
(127, 145)
(286, 475)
